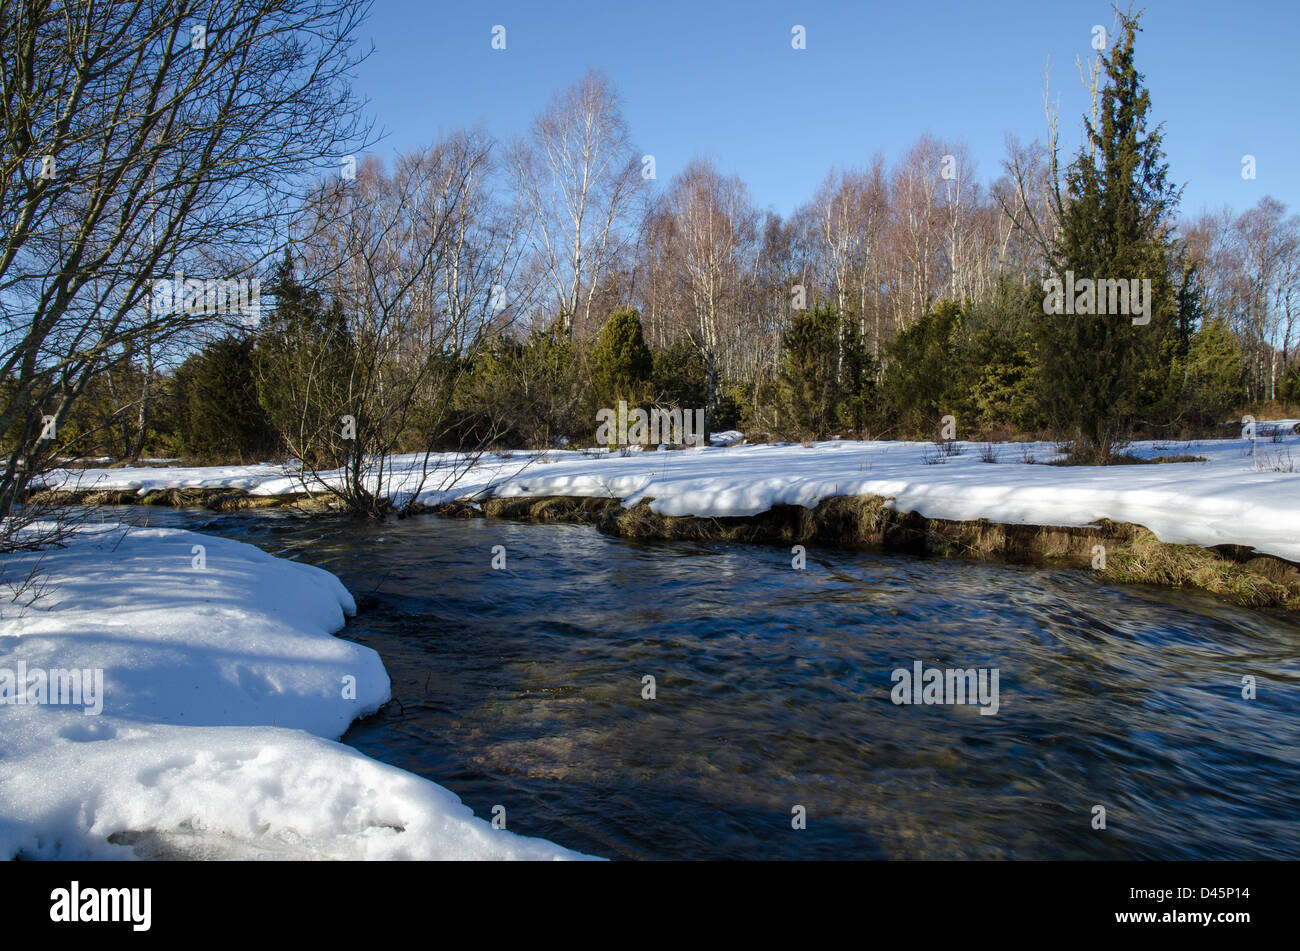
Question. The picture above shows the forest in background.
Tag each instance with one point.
(479, 294)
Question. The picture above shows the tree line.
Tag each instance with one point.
(480, 294)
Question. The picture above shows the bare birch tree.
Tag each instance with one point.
(578, 176)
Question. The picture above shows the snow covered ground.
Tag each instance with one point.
(1237, 496)
(202, 719)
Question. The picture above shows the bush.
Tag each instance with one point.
(680, 376)
(218, 413)
(920, 385)
(525, 392)
(825, 383)
(621, 364)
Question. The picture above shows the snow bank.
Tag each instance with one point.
(220, 687)
(1234, 497)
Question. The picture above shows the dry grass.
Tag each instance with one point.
(1123, 459)
(1275, 462)
(221, 500)
(557, 508)
(1147, 560)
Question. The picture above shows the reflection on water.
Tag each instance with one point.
(523, 687)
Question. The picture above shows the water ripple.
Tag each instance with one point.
(523, 687)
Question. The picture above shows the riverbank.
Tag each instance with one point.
(1228, 523)
(1118, 552)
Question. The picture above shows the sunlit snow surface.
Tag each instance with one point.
(1244, 494)
(223, 692)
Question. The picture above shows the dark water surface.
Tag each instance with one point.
(523, 687)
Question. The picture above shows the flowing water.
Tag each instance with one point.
(523, 687)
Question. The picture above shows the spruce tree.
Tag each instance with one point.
(525, 392)
(824, 383)
(1103, 372)
(921, 383)
(680, 376)
(1214, 375)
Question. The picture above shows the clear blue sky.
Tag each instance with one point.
(722, 79)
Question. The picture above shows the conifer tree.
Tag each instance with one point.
(825, 373)
(621, 364)
(921, 381)
(220, 417)
(1214, 375)
(1105, 371)
(680, 376)
(305, 361)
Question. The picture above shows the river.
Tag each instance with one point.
(523, 687)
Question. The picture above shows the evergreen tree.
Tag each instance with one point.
(1214, 375)
(920, 382)
(1102, 371)
(621, 364)
(305, 361)
(824, 384)
(999, 369)
(526, 392)
(220, 417)
(1288, 388)
(680, 376)
(999, 374)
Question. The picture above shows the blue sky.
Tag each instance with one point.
(722, 79)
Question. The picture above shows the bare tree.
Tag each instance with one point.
(852, 209)
(137, 138)
(1250, 265)
(708, 236)
(916, 230)
(578, 177)
(410, 269)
